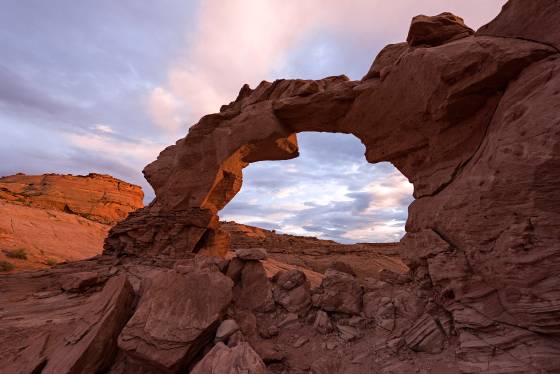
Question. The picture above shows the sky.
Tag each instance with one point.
(103, 86)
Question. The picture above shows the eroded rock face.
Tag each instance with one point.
(50, 339)
(176, 317)
(530, 20)
(97, 197)
(55, 218)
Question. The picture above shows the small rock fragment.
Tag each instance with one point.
(300, 342)
(290, 321)
(348, 333)
(226, 329)
(322, 323)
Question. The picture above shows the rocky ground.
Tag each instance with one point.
(367, 259)
(143, 316)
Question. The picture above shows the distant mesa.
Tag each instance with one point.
(52, 218)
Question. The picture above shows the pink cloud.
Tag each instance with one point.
(240, 41)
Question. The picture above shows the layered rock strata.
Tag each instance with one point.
(51, 218)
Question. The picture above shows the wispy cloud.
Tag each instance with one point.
(246, 41)
(340, 197)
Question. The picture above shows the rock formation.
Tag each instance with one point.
(470, 119)
(45, 219)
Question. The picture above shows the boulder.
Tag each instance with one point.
(339, 292)
(175, 318)
(436, 30)
(292, 290)
(253, 291)
(251, 254)
(221, 359)
(226, 329)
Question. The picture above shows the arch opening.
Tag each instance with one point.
(330, 191)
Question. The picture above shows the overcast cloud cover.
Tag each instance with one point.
(104, 85)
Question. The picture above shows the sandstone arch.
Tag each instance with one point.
(470, 120)
(426, 109)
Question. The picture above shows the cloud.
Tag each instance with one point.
(340, 197)
(246, 41)
(163, 109)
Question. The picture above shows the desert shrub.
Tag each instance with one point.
(51, 262)
(20, 254)
(6, 266)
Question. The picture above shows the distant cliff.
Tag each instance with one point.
(46, 219)
(367, 259)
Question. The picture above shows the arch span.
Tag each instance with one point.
(413, 109)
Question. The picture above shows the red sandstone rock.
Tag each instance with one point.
(97, 197)
(79, 281)
(535, 20)
(434, 31)
(470, 121)
(366, 259)
(292, 290)
(176, 316)
(49, 340)
(47, 236)
(253, 291)
(339, 292)
(385, 60)
(237, 360)
(56, 218)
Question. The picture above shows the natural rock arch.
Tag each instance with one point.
(419, 107)
(470, 120)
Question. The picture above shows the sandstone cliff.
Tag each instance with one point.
(97, 197)
(46, 219)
